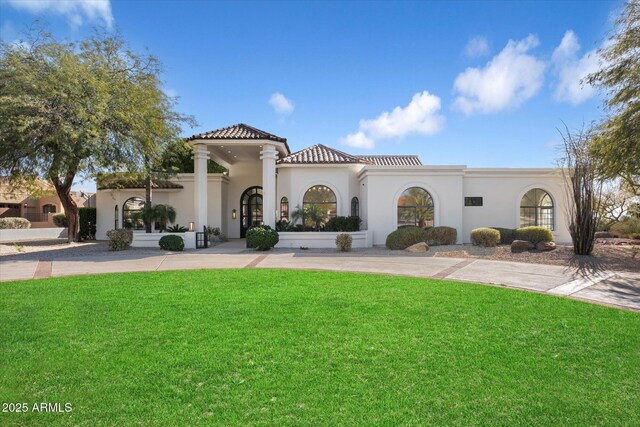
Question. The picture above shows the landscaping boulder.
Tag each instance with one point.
(603, 235)
(521, 246)
(545, 246)
(418, 247)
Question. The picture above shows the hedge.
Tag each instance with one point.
(13, 223)
(404, 237)
(441, 235)
(485, 237)
(171, 243)
(507, 235)
(60, 220)
(262, 238)
(534, 234)
(87, 218)
(343, 223)
(119, 239)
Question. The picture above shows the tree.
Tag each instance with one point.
(617, 140)
(78, 108)
(616, 203)
(584, 188)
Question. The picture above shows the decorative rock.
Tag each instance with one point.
(418, 247)
(603, 235)
(521, 246)
(545, 246)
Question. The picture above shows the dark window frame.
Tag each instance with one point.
(473, 201)
(355, 207)
(538, 215)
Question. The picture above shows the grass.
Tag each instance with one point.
(277, 347)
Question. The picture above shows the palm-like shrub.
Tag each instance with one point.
(160, 214)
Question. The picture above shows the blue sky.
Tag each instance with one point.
(484, 84)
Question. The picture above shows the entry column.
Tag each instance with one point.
(269, 155)
(200, 190)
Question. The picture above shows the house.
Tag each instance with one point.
(38, 203)
(265, 182)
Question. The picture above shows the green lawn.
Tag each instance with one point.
(277, 347)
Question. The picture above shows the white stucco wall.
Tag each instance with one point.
(294, 181)
(377, 188)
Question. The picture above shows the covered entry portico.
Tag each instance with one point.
(250, 156)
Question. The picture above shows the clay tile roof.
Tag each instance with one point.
(320, 154)
(239, 131)
(392, 160)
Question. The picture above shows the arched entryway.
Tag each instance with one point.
(250, 209)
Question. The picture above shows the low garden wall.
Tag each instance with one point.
(15, 235)
(322, 239)
(150, 240)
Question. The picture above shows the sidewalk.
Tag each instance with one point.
(604, 287)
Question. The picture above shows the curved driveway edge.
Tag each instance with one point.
(616, 289)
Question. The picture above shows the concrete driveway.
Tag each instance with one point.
(617, 289)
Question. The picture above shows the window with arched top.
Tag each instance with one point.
(536, 208)
(284, 209)
(355, 207)
(130, 208)
(319, 205)
(415, 208)
(49, 208)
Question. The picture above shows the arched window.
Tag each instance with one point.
(116, 217)
(415, 207)
(284, 209)
(355, 207)
(49, 208)
(129, 209)
(536, 208)
(319, 205)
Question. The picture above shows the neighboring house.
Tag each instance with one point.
(265, 182)
(37, 204)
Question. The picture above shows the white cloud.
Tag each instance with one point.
(419, 116)
(76, 11)
(510, 78)
(281, 104)
(477, 47)
(572, 70)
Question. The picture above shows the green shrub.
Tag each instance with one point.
(485, 237)
(343, 223)
(628, 227)
(177, 228)
(404, 237)
(343, 242)
(171, 243)
(534, 234)
(119, 239)
(285, 226)
(213, 231)
(87, 219)
(60, 220)
(14, 223)
(507, 235)
(262, 238)
(441, 236)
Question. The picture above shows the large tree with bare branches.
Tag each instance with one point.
(72, 109)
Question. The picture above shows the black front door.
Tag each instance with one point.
(250, 209)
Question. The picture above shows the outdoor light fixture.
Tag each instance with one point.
(191, 226)
(233, 214)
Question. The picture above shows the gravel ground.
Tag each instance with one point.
(607, 255)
